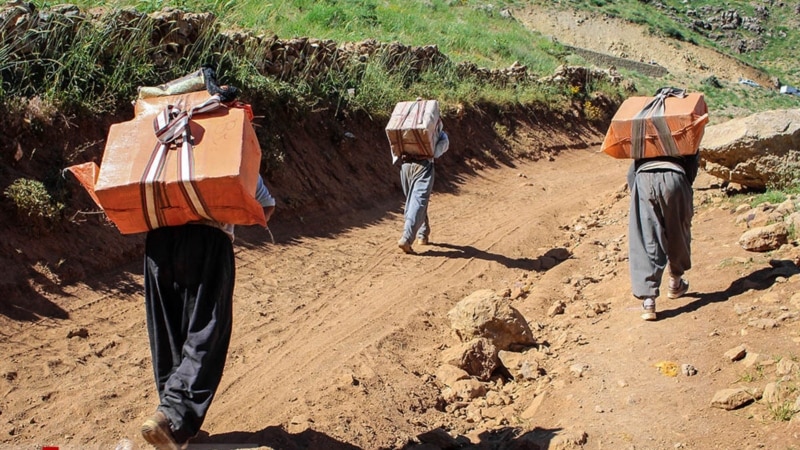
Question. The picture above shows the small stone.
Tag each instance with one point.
(729, 399)
(556, 309)
(736, 353)
(578, 369)
(688, 370)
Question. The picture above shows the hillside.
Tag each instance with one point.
(338, 335)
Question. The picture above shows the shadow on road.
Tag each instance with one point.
(277, 438)
(273, 437)
(759, 280)
(545, 262)
(24, 303)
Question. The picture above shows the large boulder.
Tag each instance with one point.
(766, 238)
(754, 151)
(484, 314)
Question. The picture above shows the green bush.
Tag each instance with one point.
(33, 201)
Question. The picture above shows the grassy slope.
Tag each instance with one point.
(477, 31)
(465, 30)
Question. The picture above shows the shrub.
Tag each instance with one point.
(33, 201)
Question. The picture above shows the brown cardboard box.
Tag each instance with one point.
(686, 118)
(221, 174)
(412, 128)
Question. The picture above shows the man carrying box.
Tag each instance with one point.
(189, 274)
(416, 139)
(416, 177)
(660, 219)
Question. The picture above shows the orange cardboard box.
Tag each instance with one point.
(412, 128)
(215, 180)
(686, 118)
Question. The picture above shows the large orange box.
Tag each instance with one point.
(216, 180)
(685, 117)
(412, 128)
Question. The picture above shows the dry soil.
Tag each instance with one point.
(338, 334)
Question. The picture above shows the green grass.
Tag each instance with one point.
(98, 66)
(756, 374)
(771, 196)
(465, 30)
(33, 201)
(88, 69)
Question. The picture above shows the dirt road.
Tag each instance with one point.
(338, 335)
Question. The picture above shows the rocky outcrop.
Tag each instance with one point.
(754, 151)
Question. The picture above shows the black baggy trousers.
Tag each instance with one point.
(189, 277)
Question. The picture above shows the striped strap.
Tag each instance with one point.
(171, 122)
(654, 110)
(150, 187)
(171, 128)
(187, 181)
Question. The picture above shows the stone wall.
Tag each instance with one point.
(29, 32)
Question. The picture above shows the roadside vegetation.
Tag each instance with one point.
(98, 67)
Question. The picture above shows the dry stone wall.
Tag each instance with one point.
(174, 34)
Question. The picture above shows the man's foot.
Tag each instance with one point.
(422, 241)
(649, 309)
(156, 431)
(680, 290)
(405, 246)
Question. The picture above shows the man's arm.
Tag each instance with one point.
(442, 145)
(265, 198)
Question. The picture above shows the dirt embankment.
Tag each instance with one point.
(332, 167)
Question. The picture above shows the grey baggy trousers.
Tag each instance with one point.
(417, 180)
(189, 278)
(659, 229)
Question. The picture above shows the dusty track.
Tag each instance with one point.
(337, 336)
(309, 310)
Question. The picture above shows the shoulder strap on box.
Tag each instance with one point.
(654, 110)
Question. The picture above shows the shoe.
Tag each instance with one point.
(649, 309)
(156, 431)
(679, 291)
(405, 246)
(422, 241)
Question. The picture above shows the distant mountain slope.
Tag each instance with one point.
(685, 62)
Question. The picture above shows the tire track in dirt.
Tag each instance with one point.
(336, 338)
(344, 329)
(479, 236)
